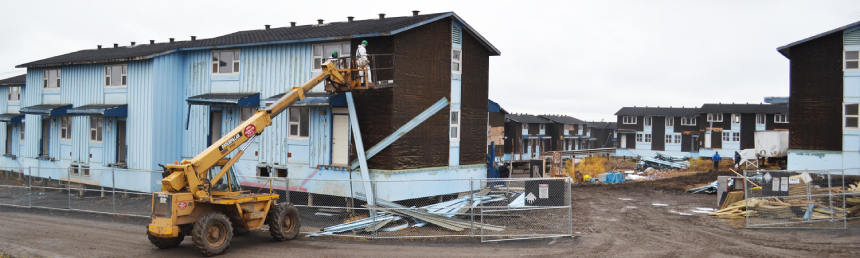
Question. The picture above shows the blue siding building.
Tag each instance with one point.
(131, 108)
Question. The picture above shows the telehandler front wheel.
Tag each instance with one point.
(285, 222)
(164, 243)
(212, 234)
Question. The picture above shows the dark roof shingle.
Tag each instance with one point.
(523, 118)
(657, 111)
(745, 108)
(19, 80)
(304, 33)
(562, 119)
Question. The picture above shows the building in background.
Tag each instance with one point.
(604, 134)
(526, 137)
(825, 100)
(12, 119)
(644, 131)
(568, 133)
(496, 129)
(731, 127)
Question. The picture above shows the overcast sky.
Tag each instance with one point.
(585, 59)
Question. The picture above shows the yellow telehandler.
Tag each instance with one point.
(201, 197)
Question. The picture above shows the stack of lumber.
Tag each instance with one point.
(736, 209)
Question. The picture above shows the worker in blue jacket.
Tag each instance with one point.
(716, 159)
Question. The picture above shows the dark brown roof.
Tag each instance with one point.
(657, 111)
(745, 108)
(19, 80)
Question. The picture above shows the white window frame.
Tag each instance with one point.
(760, 119)
(319, 57)
(780, 118)
(736, 136)
(298, 123)
(855, 116)
(96, 128)
(668, 139)
(715, 117)
(727, 136)
(685, 120)
(246, 113)
(455, 125)
(234, 67)
(677, 139)
(13, 91)
(647, 120)
(639, 137)
(457, 61)
(123, 78)
(736, 118)
(855, 61)
(21, 132)
(65, 128)
(647, 138)
(543, 126)
(45, 77)
(670, 122)
(628, 120)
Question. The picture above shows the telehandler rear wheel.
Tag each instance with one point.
(164, 243)
(212, 234)
(285, 222)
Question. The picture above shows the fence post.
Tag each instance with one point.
(113, 188)
(68, 186)
(472, 213)
(568, 181)
(29, 186)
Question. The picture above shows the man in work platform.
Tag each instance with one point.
(716, 159)
(363, 63)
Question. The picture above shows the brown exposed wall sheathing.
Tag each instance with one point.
(748, 131)
(373, 109)
(631, 141)
(514, 140)
(658, 132)
(474, 94)
(423, 77)
(686, 142)
(816, 94)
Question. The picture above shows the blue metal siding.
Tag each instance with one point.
(196, 73)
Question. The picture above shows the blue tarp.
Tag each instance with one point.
(614, 177)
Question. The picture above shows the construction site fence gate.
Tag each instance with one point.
(485, 209)
(815, 199)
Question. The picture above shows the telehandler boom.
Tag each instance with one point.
(212, 208)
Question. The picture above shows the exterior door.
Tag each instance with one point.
(340, 140)
(708, 136)
(214, 127)
(623, 141)
(8, 139)
(121, 149)
(46, 137)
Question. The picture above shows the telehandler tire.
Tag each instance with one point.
(285, 222)
(212, 234)
(165, 243)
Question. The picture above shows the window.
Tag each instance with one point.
(96, 126)
(65, 127)
(852, 115)
(760, 118)
(647, 121)
(299, 120)
(726, 136)
(670, 121)
(21, 132)
(456, 61)
(736, 136)
(647, 137)
(778, 118)
(677, 139)
(14, 94)
(115, 75)
(688, 120)
(736, 118)
(852, 60)
(638, 137)
(571, 127)
(246, 113)
(455, 125)
(525, 145)
(668, 138)
(323, 51)
(280, 172)
(628, 120)
(225, 61)
(542, 126)
(51, 79)
(715, 117)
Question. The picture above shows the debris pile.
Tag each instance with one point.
(710, 188)
(441, 214)
(660, 162)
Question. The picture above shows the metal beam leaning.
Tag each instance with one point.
(420, 118)
(359, 147)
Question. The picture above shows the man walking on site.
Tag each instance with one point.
(716, 159)
(737, 160)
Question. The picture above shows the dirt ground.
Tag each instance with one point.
(633, 219)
